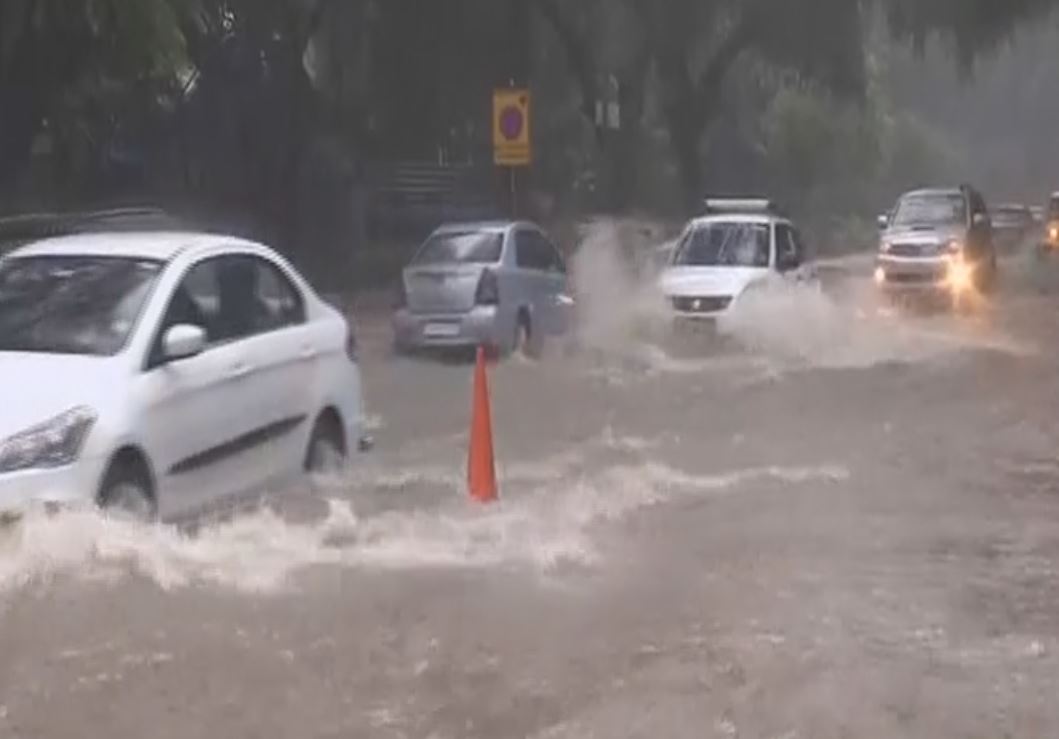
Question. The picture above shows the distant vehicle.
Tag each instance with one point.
(937, 243)
(158, 374)
(1051, 224)
(498, 284)
(720, 255)
(1013, 224)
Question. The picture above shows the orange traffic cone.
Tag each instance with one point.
(481, 470)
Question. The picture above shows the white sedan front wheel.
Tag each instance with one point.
(126, 492)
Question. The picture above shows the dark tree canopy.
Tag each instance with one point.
(245, 92)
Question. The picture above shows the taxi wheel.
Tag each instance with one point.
(126, 491)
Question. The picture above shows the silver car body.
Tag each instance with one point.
(918, 256)
(440, 306)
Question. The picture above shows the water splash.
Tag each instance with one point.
(542, 526)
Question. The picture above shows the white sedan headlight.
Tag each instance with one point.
(54, 443)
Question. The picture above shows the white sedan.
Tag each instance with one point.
(159, 373)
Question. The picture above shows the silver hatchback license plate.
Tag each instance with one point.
(441, 330)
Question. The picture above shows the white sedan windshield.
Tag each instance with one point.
(72, 304)
(725, 245)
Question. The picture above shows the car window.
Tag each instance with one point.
(930, 209)
(464, 247)
(554, 259)
(725, 245)
(977, 204)
(72, 304)
(527, 250)
(541, 254)
(534, 251)
(1012, 217)
(788, 248)
(279, 299)
(233, 297)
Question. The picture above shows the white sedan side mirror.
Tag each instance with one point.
(183, 341)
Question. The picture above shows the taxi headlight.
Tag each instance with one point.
(54, 443)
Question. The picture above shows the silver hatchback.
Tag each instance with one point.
(502, 285)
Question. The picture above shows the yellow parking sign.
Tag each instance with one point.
(511, 128)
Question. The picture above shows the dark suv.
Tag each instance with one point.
(937, 241)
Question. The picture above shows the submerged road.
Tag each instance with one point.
(840, 523)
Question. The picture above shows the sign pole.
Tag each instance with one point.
(512, 144)
(514, 193)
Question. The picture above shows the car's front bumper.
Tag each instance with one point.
(913, 275)
(76, 484)
(699, 309)
(479, 326)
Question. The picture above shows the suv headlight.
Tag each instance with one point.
(54, 443)
(884, 246)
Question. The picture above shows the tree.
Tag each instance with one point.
(692, 46)
(52, 49)
(974, 26)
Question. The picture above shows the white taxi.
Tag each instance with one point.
(739, 243)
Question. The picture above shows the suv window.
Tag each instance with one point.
(977, 203)
(931, 209)
(789, 253)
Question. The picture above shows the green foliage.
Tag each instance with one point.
(975, 26)
(112, 38)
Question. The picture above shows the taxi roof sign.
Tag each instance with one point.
(742, 205)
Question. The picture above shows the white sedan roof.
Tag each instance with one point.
(162, 246)
(749, 218)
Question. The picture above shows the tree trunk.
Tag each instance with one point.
(19, 122)
(21, 108)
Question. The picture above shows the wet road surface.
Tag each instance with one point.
(839, 523)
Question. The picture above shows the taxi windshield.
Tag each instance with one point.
(725, 245)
